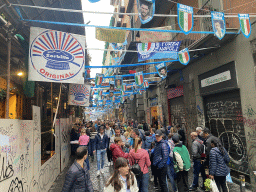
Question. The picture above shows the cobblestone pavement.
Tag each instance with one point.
(99, 182)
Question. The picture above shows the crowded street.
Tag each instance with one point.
(127, 95)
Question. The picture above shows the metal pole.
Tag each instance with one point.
(8, 74)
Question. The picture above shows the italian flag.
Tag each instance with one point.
(100, 93)
(145, 46)
(98, 80)
(124, 87)
(145, 84)
(183, 57)
(185, 20)
(122, 92)
(139, 78)
(245, 25)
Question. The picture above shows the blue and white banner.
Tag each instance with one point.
(79, 95)
(161, 70)
(218, 24)
(245, 24)
(159, 50)
(146, 9)
(56, 56)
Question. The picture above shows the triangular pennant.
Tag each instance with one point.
(145, 84)
(146, 10)
(184, 57)
(245, 24)
(139, 78)
(161, 70)
(185, 18)
(218, 24)
(98, 79)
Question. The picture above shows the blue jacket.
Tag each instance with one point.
(218, 163)
(161, 154)
(148, 142)
(77, 179)
(101, 143)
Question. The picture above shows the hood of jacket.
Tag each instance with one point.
(139, 154)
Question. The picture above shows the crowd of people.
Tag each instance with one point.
(136, 149)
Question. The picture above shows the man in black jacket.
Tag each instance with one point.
(78, 177)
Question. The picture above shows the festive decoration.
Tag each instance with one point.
(98, 79)
(148, 36)
(100, 92)
(139, 78)
(118, 82)
(146, 10)
(159, 50)
(124, 87)
(245, 24)
(185, 18)
(93, 1)
(111, 85)
(56, 56)
(184, 57)
(110, 35)
(79, 95)
(161, 69)
(131, 97)
(218, 24)
(145, 84)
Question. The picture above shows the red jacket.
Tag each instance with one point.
(142, 158)
(117, 152)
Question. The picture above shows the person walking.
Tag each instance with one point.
(181, 163)
(160, 158)
(170, 166)
(198, 149)
(116, 149)
(218, 168)
(122, 180)
(78, 177)
(101, 144)
(141, 156)
(109, 132)
(83, 141)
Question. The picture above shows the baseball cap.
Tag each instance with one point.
(159, 133)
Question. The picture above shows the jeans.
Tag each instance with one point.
(221, 183)
(143, 183)
(182, 181)
(171, 175)
(161, 174)
(198, 167)
(101, 158)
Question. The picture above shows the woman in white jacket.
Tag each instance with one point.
(123, 180)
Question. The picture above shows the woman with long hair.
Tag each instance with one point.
(218, 165)
(123, 179)
(141, 156)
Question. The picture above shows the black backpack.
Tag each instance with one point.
(136, 170)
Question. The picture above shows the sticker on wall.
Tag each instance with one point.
(56, 56)
(79, 95)
(218, 24)
(146, 9)
(184, 57)
(185, 18)
(161, 70)
(245, 24)
(139, 78)
(98, 79)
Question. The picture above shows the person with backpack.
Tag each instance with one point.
(148, 141)
(160, 158)
(141, 157)
(182, 163)
(198, 149)
(219, 169)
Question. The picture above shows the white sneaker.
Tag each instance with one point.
(102, 171)
(98, 173)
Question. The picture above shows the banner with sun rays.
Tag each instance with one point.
(56, 56)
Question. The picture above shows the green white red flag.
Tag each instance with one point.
(185, 17)
(139, 78)
(245, 24)
(184, 56)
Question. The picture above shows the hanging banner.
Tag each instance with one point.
(161, 70)
(100, 92)
(122, 93)
(56, 56)
(110, 35)
(245, 24)
(92, 92)
(79, 95)
(150, 36)
(118, 82)
(111, 85)
(185, 18)
(139, 78)
(98, 79)
(158, 50)
(146, 9)
(145, 84)
(124, 87)
(111, 93)
(122, 100)
(119, 46)
(218, 24)
(184, 57)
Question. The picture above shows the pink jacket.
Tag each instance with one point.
(84, 139)
(142, 158)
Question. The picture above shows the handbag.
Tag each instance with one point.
(213, 186)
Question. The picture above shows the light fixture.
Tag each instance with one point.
(20, 73)
(56, 98)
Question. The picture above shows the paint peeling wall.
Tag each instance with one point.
(20, 154)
